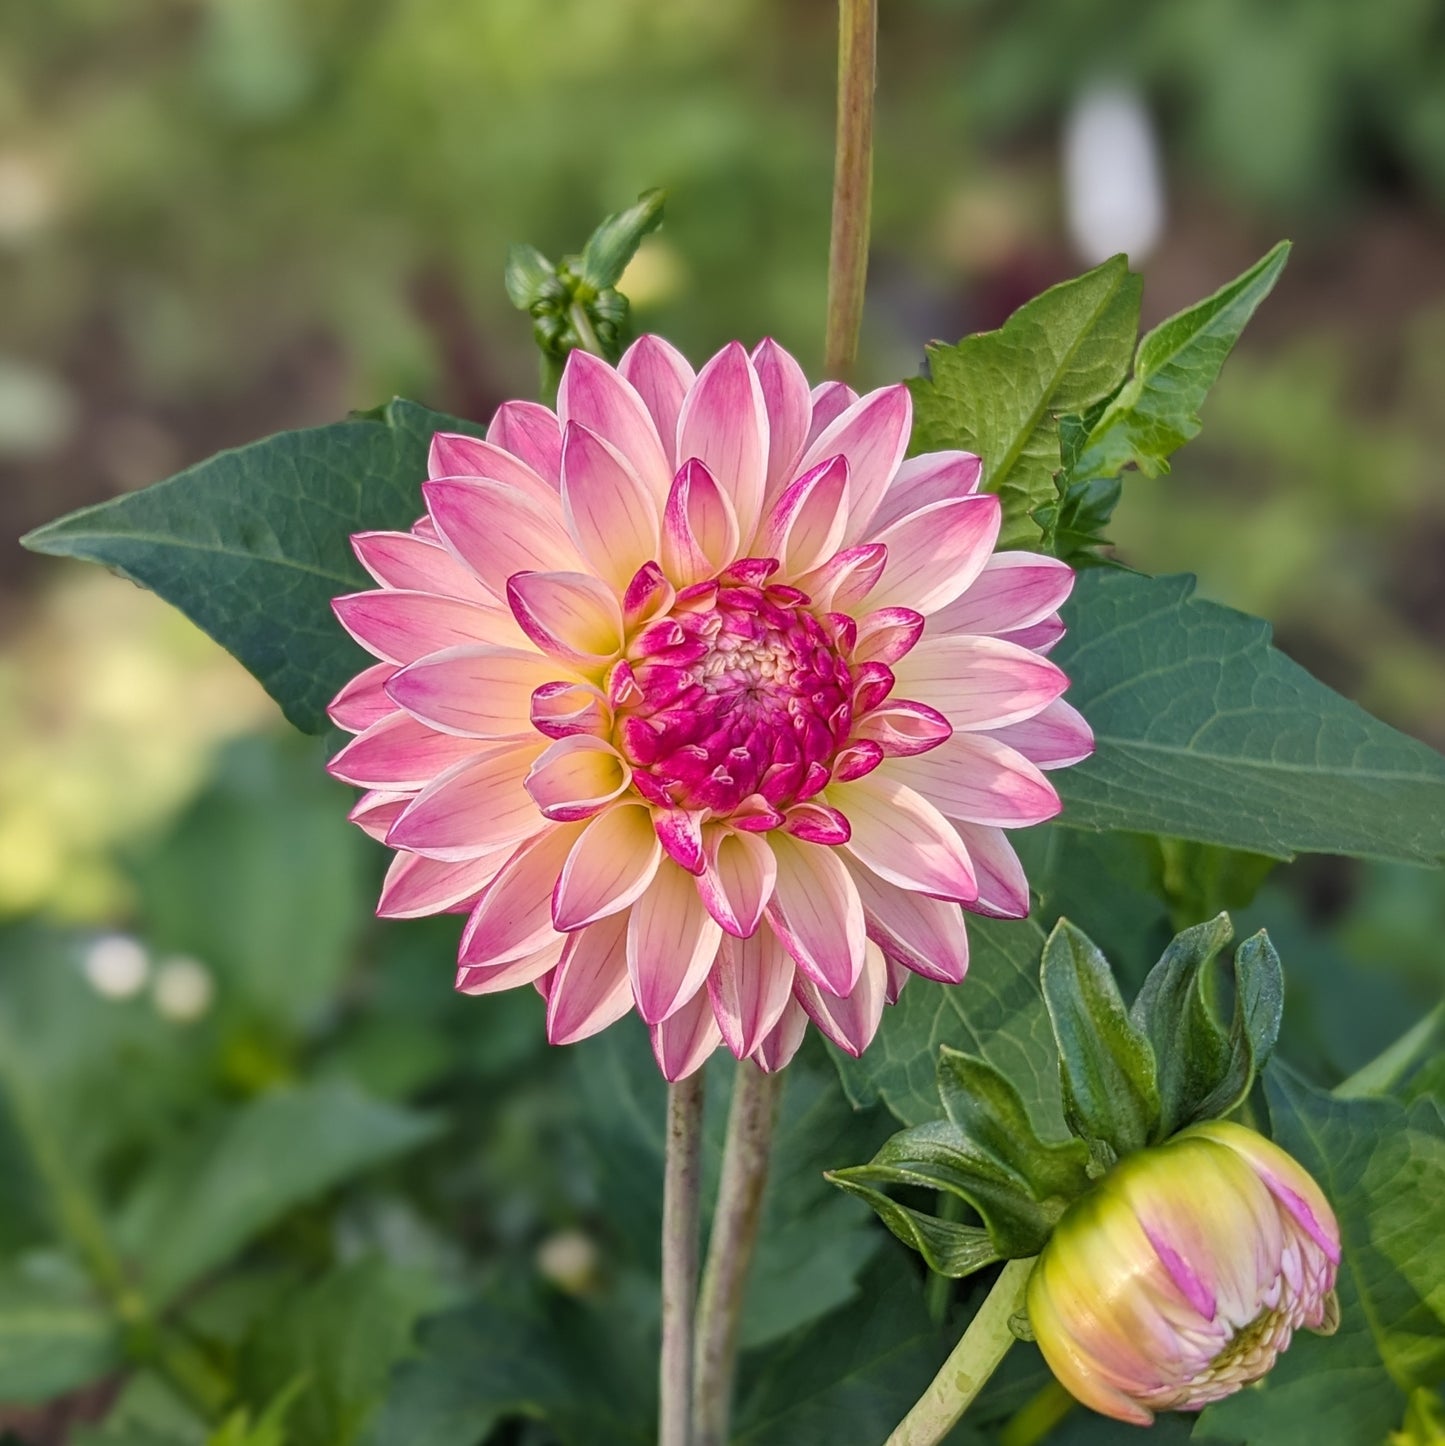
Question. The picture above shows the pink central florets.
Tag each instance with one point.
(740, 691)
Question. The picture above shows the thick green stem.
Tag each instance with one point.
(1037, 1417)
(681, 1201)
(973, 1360)
(730, 1248)
(852, 182)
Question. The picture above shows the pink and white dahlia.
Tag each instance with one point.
(696, 697)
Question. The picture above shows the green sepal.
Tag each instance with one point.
(528, 276)
(614, 243)
(1106, 1064)
(947, 1246)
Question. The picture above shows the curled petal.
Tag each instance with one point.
(662, 377)
(886, 635)
(903, 838)
(649, 595)
(816, 823)
(610, 512)
(606, 403)
(561, 709)
(724, 424)
(682, 1042)
(679, 830)
(816, 912)
(532, 433)
(576, 777)
(611, 864)
(902, 727)
(861, 756)
(568, 615)
(672, 941)
(737, 881)
(590, 989)
(474, 691)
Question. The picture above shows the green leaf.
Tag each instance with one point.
(252, 544)
(614, 243)
(997, 1014)
(1106, 1064)
(54, 1334)
(1206, 732)
(1177, 363)
(947, 1246)
(1382, 1167)
(1000, 393)
(203, 1202)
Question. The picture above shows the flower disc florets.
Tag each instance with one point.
(697, 698)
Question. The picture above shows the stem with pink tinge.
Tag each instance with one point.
(681, 1202)
(730, 1248)
(852, 182)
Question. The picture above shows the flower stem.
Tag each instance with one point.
(1037, 1417)
(730, 1248)
(852, 182)
(973, 1360)
(681, 1196)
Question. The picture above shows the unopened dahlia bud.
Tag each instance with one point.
(1183, 1274)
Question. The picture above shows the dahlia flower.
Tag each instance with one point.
(697, 698)
(1184, 1273)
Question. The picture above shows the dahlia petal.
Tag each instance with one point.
(805, 526)
(903, 838)
(454, 457)
(699, 528)
(398, 752)
(931, 477)
(679, 830)
(750, 986)
(873, 435)
(682, 1042)
(974, 777)
(846, 578)
(532, 433)
(416, 885)
(363, 700)
(672, 941)
(606, 403)
(568, 615)
(476, 806)
(898, 976)
(513, 918)
(662, 377)
(1039, 637)
(852, 1021)
(724, 424)
(376, 811)
(737, 881)
(816, 823)
(400, 627)
(610, 512)
(925, 935)
(887, 634)
(816, 912)
(1014, 590)
(497, 531)
(613, 861)
(576, 777)
(790, 412)
(979, 682)
(590, 988)
(1054, 737)
(404, 560)
(474, 691)
(935, 554)
(649, 595)
(828, 401)
(1003, 887)
(530, 968)
(781, 1043)
(561, 709)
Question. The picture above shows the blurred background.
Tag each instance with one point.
(220, 218)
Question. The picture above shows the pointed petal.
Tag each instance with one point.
(750, 987)
(513, 918)
(415, 885)
(363, 700)
(475, 807)
(604, 402)
(781, 1044)
(404, 560)
(930, 477)
(974, 777)
(1014, 590)
(805, 526)
(453, 456)
(724, 424)
(790, 412)
(530, 968)
(576, 777)
(737, 881)
(610, 512)
(590, 989)
(903, 838)
(571, 616)
(682, 1042)
(662, 377)
(679, 830)
(873, 435)
(935, 554)
(612, 862)
(923, 934)
(376, 811)
(699, 527)
(1055, 737)
(978, 682)
(852, 1021)
(671, 944)
(1003, 888)
(497, 531)
(531, 433)
(398, 752)
(816, 912)
(401, 627)
(1039, 637)
(474, 691)
(829, 400)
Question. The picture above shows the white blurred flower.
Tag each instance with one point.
(569, 1260)
(1113, 189)
(116, 966)
(183, 990)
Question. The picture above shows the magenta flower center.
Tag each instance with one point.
(740, 691)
